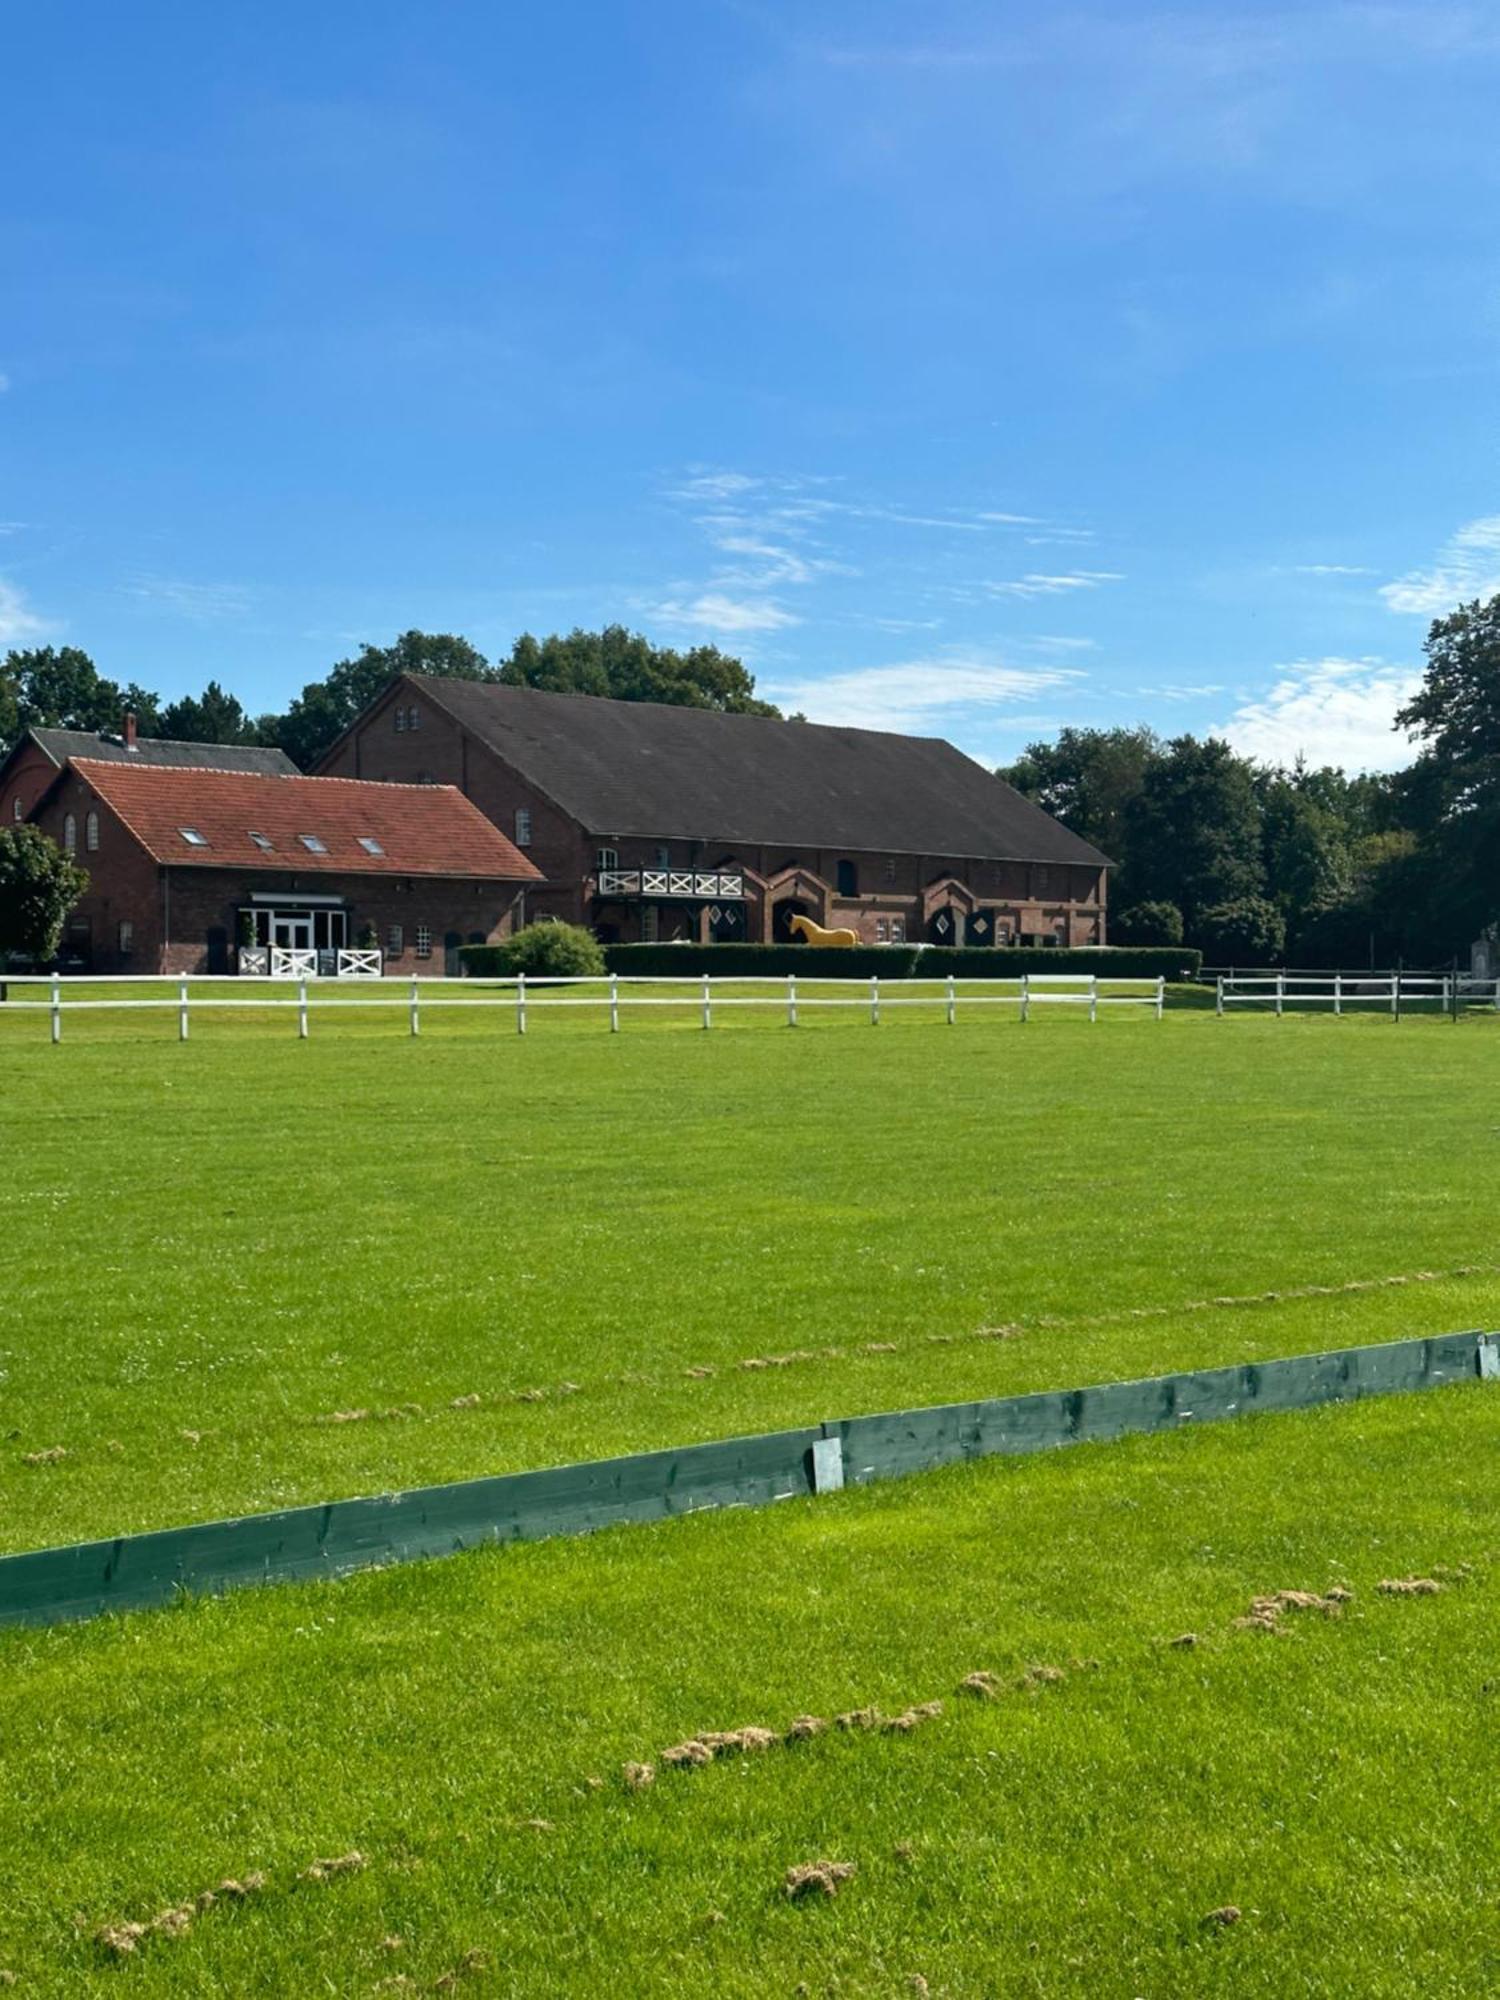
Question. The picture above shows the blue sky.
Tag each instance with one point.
(968, 369)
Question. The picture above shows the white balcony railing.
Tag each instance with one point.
(722, 886)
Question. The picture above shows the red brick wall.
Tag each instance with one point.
(25, 781)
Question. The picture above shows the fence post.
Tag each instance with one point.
(1395, 996)
(874, 999)
(707, 1010)
(520, 1003)
(614, 1003)
(1093, 996)
(1219, 994)
(1280, 992)
(1161, 993)
(1338, 994)
(182, 1009)
(416, 1018)
(302, 1008)
(1025, 995)
(791, 999)
(951, 999)
(56, 1007)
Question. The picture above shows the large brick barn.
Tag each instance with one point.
(186, 862)
(657, 822)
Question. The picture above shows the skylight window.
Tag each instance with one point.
(370, 844)
(192, 836)
(312, 843)
(262, 842)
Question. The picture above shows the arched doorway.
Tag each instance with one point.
(781, 921)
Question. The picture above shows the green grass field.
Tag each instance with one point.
(212, 1250)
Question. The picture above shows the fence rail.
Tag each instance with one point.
(48, 1586)
(1338, 990)
(305, 994)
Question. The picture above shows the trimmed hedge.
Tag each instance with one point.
(897, 961)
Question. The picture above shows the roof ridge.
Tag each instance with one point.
(305, 777)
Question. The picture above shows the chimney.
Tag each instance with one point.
(127, 730)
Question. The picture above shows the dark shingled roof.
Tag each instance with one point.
(651, 769)
(61, 744)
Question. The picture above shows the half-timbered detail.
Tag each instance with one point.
(653, 822)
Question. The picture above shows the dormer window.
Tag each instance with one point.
(312, 843)
(370, 844)
(263, 843)
(192, 836)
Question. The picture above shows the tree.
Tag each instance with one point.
(39, 885)
(1088, 778)
(625, 666)
(1250, 931)
(1147, 923)
(61, 688)
(325, 708)
(212, 717)
(1193, 832)
(1456, 711)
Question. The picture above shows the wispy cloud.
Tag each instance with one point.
(715, 611)
(1036, 584)
(917, 696)
(203, 603)
(1331, 711)
(1179, 691)
(18, 621)
(1331, 569)
(1467, 566)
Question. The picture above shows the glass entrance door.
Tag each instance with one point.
(291, 932)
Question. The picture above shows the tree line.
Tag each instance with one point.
(1307, 865)
(61, 688)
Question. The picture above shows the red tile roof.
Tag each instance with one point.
(418, 829)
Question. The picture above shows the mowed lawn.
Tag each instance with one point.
(1260, 1812)
(248, 1271)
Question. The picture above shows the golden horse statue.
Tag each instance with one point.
(804, 927)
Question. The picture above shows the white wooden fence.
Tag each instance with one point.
(1342, 991)
(613, 995)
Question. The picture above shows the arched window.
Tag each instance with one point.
(91, 833)
(70, 834)
(848, 879)
(17, 810)
(607, 857)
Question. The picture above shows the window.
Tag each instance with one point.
(127, 937)
(395, 941)
(312, 843)
(607, 857)
(898, 930)
(370, 844)
(890, 868)
(663, 857)
(423, 945)
(523, 826)
(262, 842)
(400, 715)
(882, 931)
(17, 810)
(192, 836)
(848, 879)
(70, 833)
(650, 923)
(1041, 881)
(91, 833)
(413, 716)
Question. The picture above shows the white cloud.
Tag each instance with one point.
(1331, 569)
(1036, 584)
(201, 602)
(715, 611)
(1180, 691)
(17, 621)
(916, 696)
(1330, 712)
(1467, 567)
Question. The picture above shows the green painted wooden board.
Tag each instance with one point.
(47, 1586)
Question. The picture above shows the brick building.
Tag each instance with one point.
(650, 821)
(181, 860)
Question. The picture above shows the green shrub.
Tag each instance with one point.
(548, 950)
(1010, 961)
(898, 961)
(1248, 932)
(1148, 923)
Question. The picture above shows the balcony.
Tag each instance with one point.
(688, 883)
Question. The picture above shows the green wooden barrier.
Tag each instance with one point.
(47, 1586)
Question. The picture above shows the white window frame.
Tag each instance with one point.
(91, 833)
(125, 938)
(395, 941)
(17, 810)
(523, 826)
(70, 834)
(882, 931)
(898, 930)
(606, 858)
(421, 945)
(313, 842)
